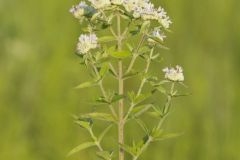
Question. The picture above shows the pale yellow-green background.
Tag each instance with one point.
(38, 70)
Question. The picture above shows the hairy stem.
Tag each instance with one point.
(121, 91)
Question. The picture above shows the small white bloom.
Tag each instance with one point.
(162, 18)
(100, 4)
(158, 34)
(174, 74)
(79, 10)
(86, 43)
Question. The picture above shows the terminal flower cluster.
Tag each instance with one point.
(174, 74)
(138, 8)
(86, 43)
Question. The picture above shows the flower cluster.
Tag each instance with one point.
(174, 74)
(158, 34)
(100, 4)
(139, 8)
(86, 43)
(146, 10)
(81, 10)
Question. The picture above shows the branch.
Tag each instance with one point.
(142, 83)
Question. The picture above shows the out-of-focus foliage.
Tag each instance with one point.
(38, 70)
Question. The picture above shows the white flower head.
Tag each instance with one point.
(100, 4)
(174, 74)
(86, 43)
(80, 10)
(158, 34)
(161, 16)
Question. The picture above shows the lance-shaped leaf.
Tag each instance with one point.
(142, 125)
(81, 147)
(105, 39)
(84, 123)
(104, 69)
(128, 149)
(105, 131)
(105, 155)
(130, 75)
(99, 116)
(116, 97)
(88, 84)
(167, 136)
(119, 54)
(139, 110)
(140, 98)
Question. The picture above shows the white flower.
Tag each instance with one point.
(80, 10)
(158, 34)
(146, 10)
(174, 74)
(162, 17)
(117, 2)
(100, 4)
(86, 43)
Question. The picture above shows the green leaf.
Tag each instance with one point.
(105, 155)
(105, 131)
(130, 75)
(141, 98)
(81, 147)
(162, 90)
(117, 97)
(128, 149)
(120, 54)
(87, 84)
(105, 39)
(145, 26)
(139, 110)
(100, 116)
(104, 69)
(167, 136)
(142, 125)
(84, 123)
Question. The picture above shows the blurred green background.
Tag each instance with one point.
(38, 70)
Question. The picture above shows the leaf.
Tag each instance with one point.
(141, 98)
(104, 155)
(117, 97)
(162, 90)
(84, 123)
(142, 125)
(87, 84)
(104, 69)
(128, 149)
(139, 110)
(130, 75)
(145, 26)
(81, 147)
(120, 54)
(99, 116)
(106, 39)
(168, 136)
(104, 133)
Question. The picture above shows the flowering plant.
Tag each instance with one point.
(135, 29)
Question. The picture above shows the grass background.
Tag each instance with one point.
(38, 71)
